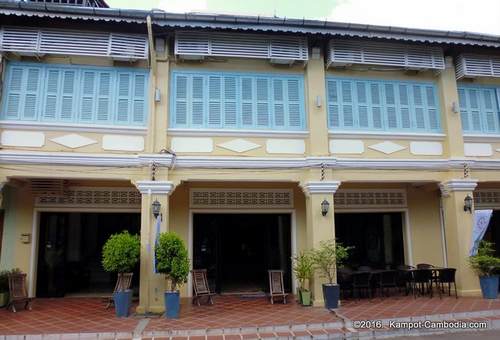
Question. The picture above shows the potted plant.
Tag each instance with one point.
(120, 254)
(486, 266)
(172, 261)
(326, 258)
(303, 267)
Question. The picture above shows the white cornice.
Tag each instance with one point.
(39, 126)
(320, 187)
(236, 133)
(457, 185)
(386, 136)
(154, 187)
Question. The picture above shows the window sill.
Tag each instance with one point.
(386, 135)
(34, 125)
(481, 138)
(236, 133)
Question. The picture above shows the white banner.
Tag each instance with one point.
(481, 222)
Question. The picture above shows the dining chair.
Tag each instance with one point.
(446, 276)
(422, 282)
(361, 281)
(387, 279)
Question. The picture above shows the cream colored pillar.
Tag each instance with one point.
(458, 233)
(319, 227)
(151, 285)
(316, 105)
(451, 123)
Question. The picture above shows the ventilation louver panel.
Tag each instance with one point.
(475, 65)
(29, 41)
(47, 187)
(348, 52)
(192, 44)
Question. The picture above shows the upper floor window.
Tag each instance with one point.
(237, 101)
(75, 94)
(479, 109)
(382, 105)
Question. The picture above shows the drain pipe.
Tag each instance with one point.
(443, 232)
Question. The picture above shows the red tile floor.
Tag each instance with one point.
(82, 315)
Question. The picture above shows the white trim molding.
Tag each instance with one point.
(235, 133)
(453, 185)
(386, 135)
(155, 187)
(320, 187)
(40, 126)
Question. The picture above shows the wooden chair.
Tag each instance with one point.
(123, 282)
(276, 286)
(18, 292)
(200, 285)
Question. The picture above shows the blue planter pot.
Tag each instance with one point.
(123, 301)
(331, 294)
(172, 305)
(489, 286)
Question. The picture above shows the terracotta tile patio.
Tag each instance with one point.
(87, 315)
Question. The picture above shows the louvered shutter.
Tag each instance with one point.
(247, 102)
(123, 98)
(197, 101)
(214, 101)
(180, 100)
(230, 102)
(87, 96)
(347, 117)
(139, 99)
(262, 102)
(32, 93)
(376, 106)
(52, 86)
(333, 104)
(475, 110)
(404, 107)
(362, 105)
(464, 109)
(14, 90)
(419, 105)
(432, 108)
(279, 103)
(104, 90)
(489, 104)
(295, 102)
(69, 95)
(390, 106)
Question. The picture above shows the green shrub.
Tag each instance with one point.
(172, 259)
(303, 266)
(485, 263)
(328, 256)
(121, 252)
(4, 278)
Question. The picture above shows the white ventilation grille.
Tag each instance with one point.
(278, 49)
(30, 41)
(487, 199)
(52, 187)
(348, 52)
(475, 65)
(356, 199)
(80, 197)
(241, 198)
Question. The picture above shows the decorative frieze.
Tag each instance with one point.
(241, 198)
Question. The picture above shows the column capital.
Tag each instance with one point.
(457, 185)
(154, 187)
(320, 187)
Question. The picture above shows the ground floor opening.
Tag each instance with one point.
(238, 249)
(69, 252)
(376, 237)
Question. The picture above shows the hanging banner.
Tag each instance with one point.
(157, 235)
(481, 222)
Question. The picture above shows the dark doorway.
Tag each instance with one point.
(377, 238)
(493, 231)
(69, 252)
(239, 249)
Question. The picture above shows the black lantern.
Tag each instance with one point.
(156, 208)
(325, 205)
(468, 203)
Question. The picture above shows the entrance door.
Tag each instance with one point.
(239, 249)
(70, 248)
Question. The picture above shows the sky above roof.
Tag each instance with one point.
(482, 16)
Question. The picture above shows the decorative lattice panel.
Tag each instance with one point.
(390, 198)
(92, 197)
(241, 198)
(487, 198)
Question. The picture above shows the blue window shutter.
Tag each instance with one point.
(32, 93)
(180, 100)
(333, 104)
(123, 98)
(214, 101)
(230, 102)
(376, 106)
(418, 101)
(279, 103)
(104, 90)
(347, 117)
(15, 92)
(247, 101)
(52, 93)
(198, 84)
(295, 101)
(87, 96)
(362, 105)
(390, 106)
(475, 110)
(489, 105)
(404, 107)
(464, 109)
(139, 99)
(69, 95)
(262, 102)
(432, 110)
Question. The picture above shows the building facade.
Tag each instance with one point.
(241, 127)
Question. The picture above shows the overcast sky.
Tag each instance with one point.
(459, 15)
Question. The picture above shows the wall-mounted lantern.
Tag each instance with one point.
(325, 205)
(468, 203)
(156, 208)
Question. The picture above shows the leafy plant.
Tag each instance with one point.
(172, 259)
(485, 263)
(4, 278)
(303, 266)
(121, 252)
(328, 256)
